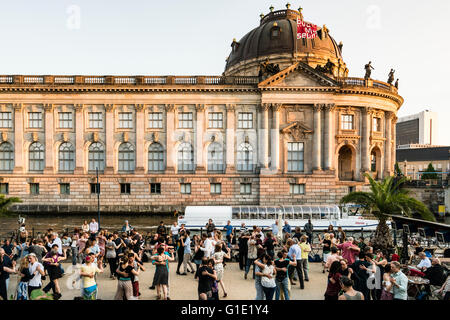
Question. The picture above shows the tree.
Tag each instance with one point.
(5, 202)
(387, 198)
(432, 173)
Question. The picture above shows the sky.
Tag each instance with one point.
(193, 37)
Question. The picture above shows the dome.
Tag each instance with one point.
(276, 39)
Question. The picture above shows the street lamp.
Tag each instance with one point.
(98, 198)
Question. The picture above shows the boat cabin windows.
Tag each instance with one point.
(286, 213)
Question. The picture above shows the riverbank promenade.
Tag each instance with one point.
(185, 287)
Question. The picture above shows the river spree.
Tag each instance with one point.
(41, 223)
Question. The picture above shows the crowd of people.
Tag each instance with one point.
(278, 257)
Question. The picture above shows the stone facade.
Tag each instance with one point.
(296, 137)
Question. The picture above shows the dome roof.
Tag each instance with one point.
(277, 37)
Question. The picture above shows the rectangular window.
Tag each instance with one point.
(185, 120)
(125, 188)
(295, 157)
(34, 119)
(125, 120)
(155, 120)
(65, 120)
(34, 188)
(5, 120)
(376, 124)
(216, 188)
(95, 188)
(246, 188)
(95, 120)
(215, 120)
(347, 122)
(185, 188)
(64, 188)
(297, 188)
(4, 188)
(245, 120)
(155, 188)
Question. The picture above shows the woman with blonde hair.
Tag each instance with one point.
(25, 277)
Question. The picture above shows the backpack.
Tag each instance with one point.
(315, 258)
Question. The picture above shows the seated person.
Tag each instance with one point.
(436, 273)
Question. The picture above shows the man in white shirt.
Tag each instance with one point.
(56, 240)
(208, 246)
(424, 263)
(93, 227)
(275, 228)
(174, 231)
(37, 270)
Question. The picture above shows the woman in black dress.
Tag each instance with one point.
(161, 280)
(52, 261)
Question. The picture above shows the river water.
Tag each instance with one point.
(41, 223)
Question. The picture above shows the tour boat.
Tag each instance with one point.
(196, 217)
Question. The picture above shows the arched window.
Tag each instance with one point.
(155, 157)
(126, 157)
(215, 157)
(96, 157)
(6, 157)
(185, 157)
(245, 157)
(36, 157)
(66, 157)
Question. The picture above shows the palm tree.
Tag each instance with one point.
(386, 197)
(5, 202)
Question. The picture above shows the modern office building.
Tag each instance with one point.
(420, 128)
(284, 124)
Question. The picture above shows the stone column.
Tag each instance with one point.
(79, 140)
(317, 137)
(329, 136)
(18, 138)
(140, 130)
(109, 130)
(230, 138)
(48, 108)
(199, 131)
(264, 136)
(388, 145)
(393, 142)
(275, 136)
(170, 131)
(365, 135)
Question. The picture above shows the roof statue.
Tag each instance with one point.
(327, 68)
(391, 76)
(267, 69)
(369, 69)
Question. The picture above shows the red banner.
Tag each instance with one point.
(306, 30)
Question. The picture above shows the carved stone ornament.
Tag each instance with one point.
(4, 136)
(230, 107)
(34, 137)
(78, 107)
(213, 138)
(276, 106)
(109, 107)
(125, 137)
(265, 106)
(199, 107)
(318, 107)
(95, 136)
(17, 106)
(329, 107)
(246, 139)
(182, 137)
(155, 136)
(65, 137)
(170, 107)
(48, 107)
(139, 107)
(296, 130)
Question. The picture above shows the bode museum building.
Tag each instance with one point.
(283, 125)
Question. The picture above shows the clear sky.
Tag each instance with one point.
(193, 37)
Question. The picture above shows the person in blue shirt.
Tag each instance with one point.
(295, 254)
(286, 229)
(229, 231)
